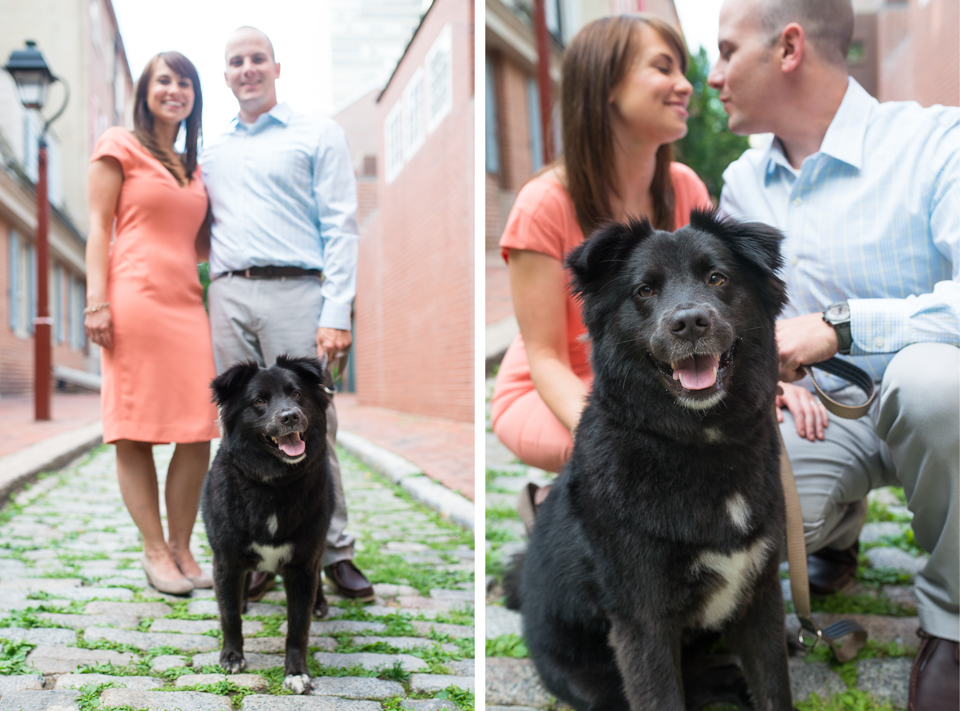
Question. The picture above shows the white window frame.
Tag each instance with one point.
(439, 78)
(393, 142)
(413, 108)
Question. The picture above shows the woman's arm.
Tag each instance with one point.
(538, 284)
(105, 179)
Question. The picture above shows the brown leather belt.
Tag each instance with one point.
(856, 636)
(275, 272)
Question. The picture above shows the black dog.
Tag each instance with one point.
(667, 524)
(268, 498)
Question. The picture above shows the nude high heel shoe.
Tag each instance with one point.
(178, 586)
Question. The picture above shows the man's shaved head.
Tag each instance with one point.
(245, 31)
(828, 24)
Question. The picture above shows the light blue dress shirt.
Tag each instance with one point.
(872, 218)
(283, 193)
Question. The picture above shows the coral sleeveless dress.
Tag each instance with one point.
(156, 378)
(543, 219)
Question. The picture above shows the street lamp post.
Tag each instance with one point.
(33, 78)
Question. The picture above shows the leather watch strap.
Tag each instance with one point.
(856, 636)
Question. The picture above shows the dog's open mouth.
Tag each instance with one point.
(700, 376)
(290, 444)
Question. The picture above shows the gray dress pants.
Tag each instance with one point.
(260, 319)
(910, 438)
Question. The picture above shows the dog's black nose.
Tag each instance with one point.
(290, 417)
(690, 324)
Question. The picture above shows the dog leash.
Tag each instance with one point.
(796, 546)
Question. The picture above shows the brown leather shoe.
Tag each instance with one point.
(831, 570)
(935, 676)
(347, 580)
(259, 583)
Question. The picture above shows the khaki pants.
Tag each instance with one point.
(260, 319)
(909, 438)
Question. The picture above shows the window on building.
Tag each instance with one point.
(58, 313)
(490, 122)
(32, 127)
(554, 19)
(536, 126)
(439, 70)
(414, 133)
(78, 298)
(393, 142)
(23, 285)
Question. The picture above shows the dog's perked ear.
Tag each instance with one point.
(598, 258)
(233, 380)
(309, 369)
(756, 245)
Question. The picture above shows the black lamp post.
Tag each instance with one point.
(33, 78)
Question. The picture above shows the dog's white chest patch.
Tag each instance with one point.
(272, 524)
(737, 571)
(739, 512)
(272, 557)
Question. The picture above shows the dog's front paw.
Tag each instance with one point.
(232, 662)
(297, 683)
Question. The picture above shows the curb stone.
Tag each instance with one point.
(23, 466)
(410, 477)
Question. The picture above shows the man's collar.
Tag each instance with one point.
(280, 113)
(844, 138)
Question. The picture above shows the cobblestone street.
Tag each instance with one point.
(81, 629)
(881, 600)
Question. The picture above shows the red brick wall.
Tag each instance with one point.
(16, 351)
(366, 198)
(415, 296)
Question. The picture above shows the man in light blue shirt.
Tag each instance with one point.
(283, 252)
(867, 196)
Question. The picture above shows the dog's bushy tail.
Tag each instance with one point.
(511, 582)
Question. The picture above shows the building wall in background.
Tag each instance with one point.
(414, 311)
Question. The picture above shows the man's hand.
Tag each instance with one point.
(333, 342)
(808, 412)
(804, 340)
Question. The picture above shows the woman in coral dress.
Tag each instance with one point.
(145, 309)
(623, 101)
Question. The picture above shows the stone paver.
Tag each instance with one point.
(256, 702)
(71, 546)
(370, 661)
(356, 687)
(21, 682)
(57, 700)
(439, 682)
(164, 700)
(63, 660)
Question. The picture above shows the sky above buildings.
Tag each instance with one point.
(299, 30)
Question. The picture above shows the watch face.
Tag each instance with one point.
(838, 312)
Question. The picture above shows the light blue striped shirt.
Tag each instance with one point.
(283, 193)
(873, 218)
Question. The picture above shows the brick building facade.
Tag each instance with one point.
(414, 311)
(85, 48)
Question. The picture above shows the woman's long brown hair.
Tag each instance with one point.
(143, 119)
(597, 59)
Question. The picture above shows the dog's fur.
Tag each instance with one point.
(268, 509)
(667, 523)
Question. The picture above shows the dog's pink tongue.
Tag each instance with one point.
(291, 444)
(697, 372)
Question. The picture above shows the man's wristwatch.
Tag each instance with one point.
(838, 316)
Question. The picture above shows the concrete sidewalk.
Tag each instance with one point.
(398, 445)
